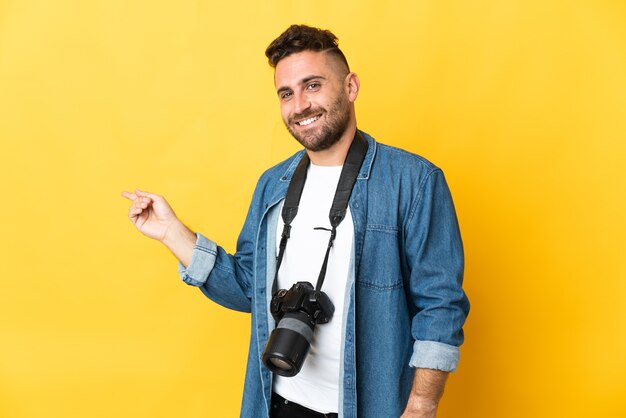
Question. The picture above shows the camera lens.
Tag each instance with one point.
(289, 344)
(283, 365)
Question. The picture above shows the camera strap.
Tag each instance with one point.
(338, 210)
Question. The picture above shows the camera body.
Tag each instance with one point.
(296, 312)
(302, 297)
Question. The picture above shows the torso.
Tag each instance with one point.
(317, 384)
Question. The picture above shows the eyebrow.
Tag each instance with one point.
(303, 81)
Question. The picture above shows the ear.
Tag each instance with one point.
(352, 85)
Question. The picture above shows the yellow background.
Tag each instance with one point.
(522, 103)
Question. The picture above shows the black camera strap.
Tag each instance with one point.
(338, 210)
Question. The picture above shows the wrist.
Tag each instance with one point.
(421, 405)
(180, 240)
(176, 233)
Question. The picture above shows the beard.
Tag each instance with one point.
(332, 125)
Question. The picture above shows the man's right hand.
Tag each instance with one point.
(151, 214)
(154, 218)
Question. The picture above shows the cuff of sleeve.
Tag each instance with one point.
(435, 355)
(201, 264)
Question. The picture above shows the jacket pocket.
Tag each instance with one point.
(380, 260)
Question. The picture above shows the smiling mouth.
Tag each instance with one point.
(307, 122)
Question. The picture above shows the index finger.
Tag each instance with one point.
(129, 196)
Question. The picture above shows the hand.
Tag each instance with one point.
(151, 214)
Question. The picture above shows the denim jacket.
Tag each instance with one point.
(405, 306)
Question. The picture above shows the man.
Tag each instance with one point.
(394, 271)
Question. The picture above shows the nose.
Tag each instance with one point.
(301, 103)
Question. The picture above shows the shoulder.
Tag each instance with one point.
(392, 162)
(399, 155)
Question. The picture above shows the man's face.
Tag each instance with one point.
(314, 101)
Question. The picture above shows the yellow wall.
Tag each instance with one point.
(522, 103)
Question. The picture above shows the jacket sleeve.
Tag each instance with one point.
(434, 254)
(226, 278)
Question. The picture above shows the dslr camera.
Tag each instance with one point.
(296, 312)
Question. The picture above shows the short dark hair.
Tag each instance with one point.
(298, 38)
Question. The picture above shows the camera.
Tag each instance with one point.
(296, 312)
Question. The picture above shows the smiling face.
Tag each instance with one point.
(316, 95)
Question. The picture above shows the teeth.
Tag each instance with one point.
(308, 121)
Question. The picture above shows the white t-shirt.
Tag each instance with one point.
(317, 385)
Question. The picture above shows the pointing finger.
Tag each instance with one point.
(146, 194)
(130, 196)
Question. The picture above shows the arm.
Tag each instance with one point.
(434, 256)
(222, 277)
(427, 389)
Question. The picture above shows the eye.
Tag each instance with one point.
(285, 95)
(313, 86)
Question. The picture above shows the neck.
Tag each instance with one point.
(335, 155)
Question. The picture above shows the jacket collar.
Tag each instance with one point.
(366, 167)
